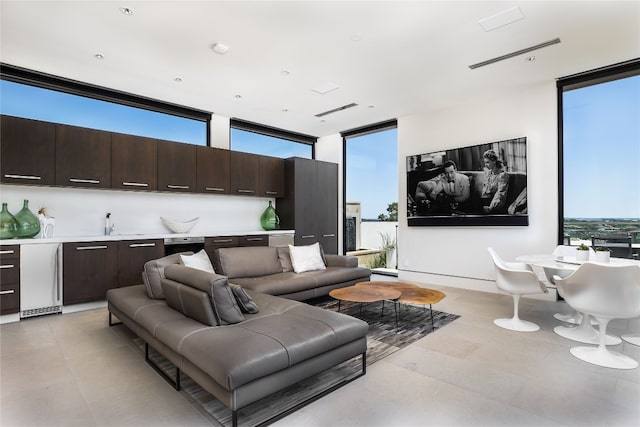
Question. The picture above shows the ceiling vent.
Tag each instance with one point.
(335, 110)
(516, 53)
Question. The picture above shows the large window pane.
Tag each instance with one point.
(601, 159)
(53, 106)
(256, 143)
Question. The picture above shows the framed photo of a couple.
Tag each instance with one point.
(479, 185)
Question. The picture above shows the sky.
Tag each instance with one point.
(602, 150)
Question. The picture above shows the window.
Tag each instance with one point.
(371, 186)
(47, 98)
(258, 139)
(600, 154)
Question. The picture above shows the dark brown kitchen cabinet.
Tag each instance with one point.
(244, 173)
(83, 157)
(254, 240)
(134, 162)
(271, 183)
(89, 270)
(132, 255)
(212, 170)
(176, 166)
(9, 279)
(27, 151)
(310, 205)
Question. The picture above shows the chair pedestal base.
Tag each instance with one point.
(631, 339)
(585, 333)
(574, 318)
(516, 325)
(603, 357)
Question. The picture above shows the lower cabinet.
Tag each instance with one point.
(132, 255)
(89, 270)
(9, 279)
(216, 242)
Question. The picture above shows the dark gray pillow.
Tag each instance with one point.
(216, 286)
(246, 303)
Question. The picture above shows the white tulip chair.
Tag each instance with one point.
(516, 279)
(605, 292)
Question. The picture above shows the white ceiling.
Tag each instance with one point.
(391, 58)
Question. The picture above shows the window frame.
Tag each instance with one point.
(273, 132)
(42, 80)
(576, 81)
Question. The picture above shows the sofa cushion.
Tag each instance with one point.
(217, 288)
(277, 284)
(306, 258)
(189, 301)
(198, 260)
(285, 258)
(246, 303)
(153, 272)
(251, 261)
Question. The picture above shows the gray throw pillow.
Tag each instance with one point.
(246, 303)
(216, 286)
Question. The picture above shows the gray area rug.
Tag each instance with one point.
(383, 339)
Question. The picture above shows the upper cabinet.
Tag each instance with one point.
(27, 151)
(83, 157)
(244, 173)
(212, 170)
(176, 166)
(134, 162)
(271, 177)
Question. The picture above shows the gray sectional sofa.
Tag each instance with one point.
(210, 330)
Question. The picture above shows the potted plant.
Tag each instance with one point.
(582, 252)
(602, 254)
(389, 246)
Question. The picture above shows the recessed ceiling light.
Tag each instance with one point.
(284, 110)
(371, 106)
(126, 11)
(325, 88)
(322, 121)
(238, 96)
(220, 48)
(98, 56)
(285, 72)
(178, 79)
(530, 58)
(356, 37)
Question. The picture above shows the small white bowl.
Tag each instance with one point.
(179, 227)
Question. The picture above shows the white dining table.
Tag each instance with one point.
(568, 262)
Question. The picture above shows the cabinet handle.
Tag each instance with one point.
(90, 248)
(245, 191)
(135, 184)
(178, 187)
(9, 251)
(328, 235)
(255, 239)
(142, 245)
(271, 192)
(213, 189)
(84, 181)
(308, 236)
(32, 177)
(11, 291)
(223, 241)
(7, 266)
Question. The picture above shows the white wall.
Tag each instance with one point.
(457, 256)
(81, 212)
(220, 132)
(371, 233)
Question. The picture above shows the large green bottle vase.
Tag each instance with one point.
(8, 223)
(269, 219)
(28, 223)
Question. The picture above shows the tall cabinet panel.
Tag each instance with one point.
(310, 205)
(176, 166)
(83, 157)
(28, 151)
(134, 162)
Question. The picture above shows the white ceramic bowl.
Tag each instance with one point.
(179, 227)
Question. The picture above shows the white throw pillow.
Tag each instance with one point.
(306, 258)
(198, 261)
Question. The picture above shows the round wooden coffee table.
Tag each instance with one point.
(366, 294)
(410, 293)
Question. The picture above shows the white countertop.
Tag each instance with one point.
(117, 237)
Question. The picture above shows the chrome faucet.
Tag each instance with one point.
(108, 227)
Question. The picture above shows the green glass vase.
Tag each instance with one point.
(269, 219)
(8, 224)
(28, 223)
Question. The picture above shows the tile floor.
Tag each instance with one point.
(74, 369)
